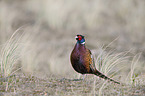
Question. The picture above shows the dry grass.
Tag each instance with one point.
(45, 39)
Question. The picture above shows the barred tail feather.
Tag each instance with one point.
(105, 77)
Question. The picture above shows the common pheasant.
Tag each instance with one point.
(82, 60)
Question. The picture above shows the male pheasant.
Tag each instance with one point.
(82, 60)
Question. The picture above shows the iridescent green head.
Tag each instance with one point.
(80, 39)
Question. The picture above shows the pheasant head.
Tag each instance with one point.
(80, 39)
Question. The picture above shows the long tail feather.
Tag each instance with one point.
(105, 77)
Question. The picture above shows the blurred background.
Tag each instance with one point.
(50, 27)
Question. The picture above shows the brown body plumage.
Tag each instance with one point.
(82, 60)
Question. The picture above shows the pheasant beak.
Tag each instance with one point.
(76, 37)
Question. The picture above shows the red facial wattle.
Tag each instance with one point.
(79, 38)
